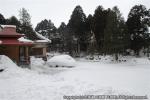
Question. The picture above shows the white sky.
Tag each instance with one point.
(60, 10)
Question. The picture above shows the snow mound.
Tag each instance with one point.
(38, 64)
(37, 61)
(10, 69)
(61, 61)
(6, 62)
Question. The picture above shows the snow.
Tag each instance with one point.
(5, 61)
(148, 29)
(122, 60)
(42, 37)
(0, 42)
(87, 78)
(61, 60)
(37, 64)
(8, 26)
(22, 39)
(36, 61)
(41, 41)
(10, 68)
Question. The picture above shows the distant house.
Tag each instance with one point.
(14, 45)
(40, 46)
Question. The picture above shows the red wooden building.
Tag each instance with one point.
(13, 48)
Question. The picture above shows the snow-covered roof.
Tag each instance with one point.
(41, 41)
(42, 37)
(8, 26)
(22, 39)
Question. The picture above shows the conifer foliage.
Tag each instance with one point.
(104, 32)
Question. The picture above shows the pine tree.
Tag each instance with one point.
(46, 28)
(89, 23)
(137, 23)
(26, 27)
(14, 21)
(2, 20)
(114, 42)
(121, 33)
(108, 33)
(90, 38)
(76, 25)
(62, 30)
(99, 24)
(62, 27)
(25, 17)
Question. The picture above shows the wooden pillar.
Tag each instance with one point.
(27, 54)
(44, 51)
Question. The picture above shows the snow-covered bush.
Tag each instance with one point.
(37, 61)
(61, 61)
(37, 64)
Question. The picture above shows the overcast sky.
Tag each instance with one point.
(60, 10)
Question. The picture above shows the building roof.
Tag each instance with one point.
(15, 42)
(22, 39)
(9, 31)
(9, 36)
(43, 39)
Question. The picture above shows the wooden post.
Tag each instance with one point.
(44, 51)
(27, 54)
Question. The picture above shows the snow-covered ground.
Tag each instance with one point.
(87, 78)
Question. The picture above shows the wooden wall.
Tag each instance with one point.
(12, 52)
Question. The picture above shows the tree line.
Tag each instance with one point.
(104, 32)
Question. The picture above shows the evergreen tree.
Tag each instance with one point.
(46, 28)
(77, 21)
(90, 38)
(114, 42)
(76, 25)
(14, 21)
(122, 34)
(63, 36)
(89, 23)
(137, 23)
(25, 17)
(2, 20)
(26, 27)
(62, 27)
(62, 31)
(108, 32)
(99, 24)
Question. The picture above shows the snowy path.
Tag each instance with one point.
(87, 78)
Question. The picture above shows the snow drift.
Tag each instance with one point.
(10, 69)
(88, 78)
